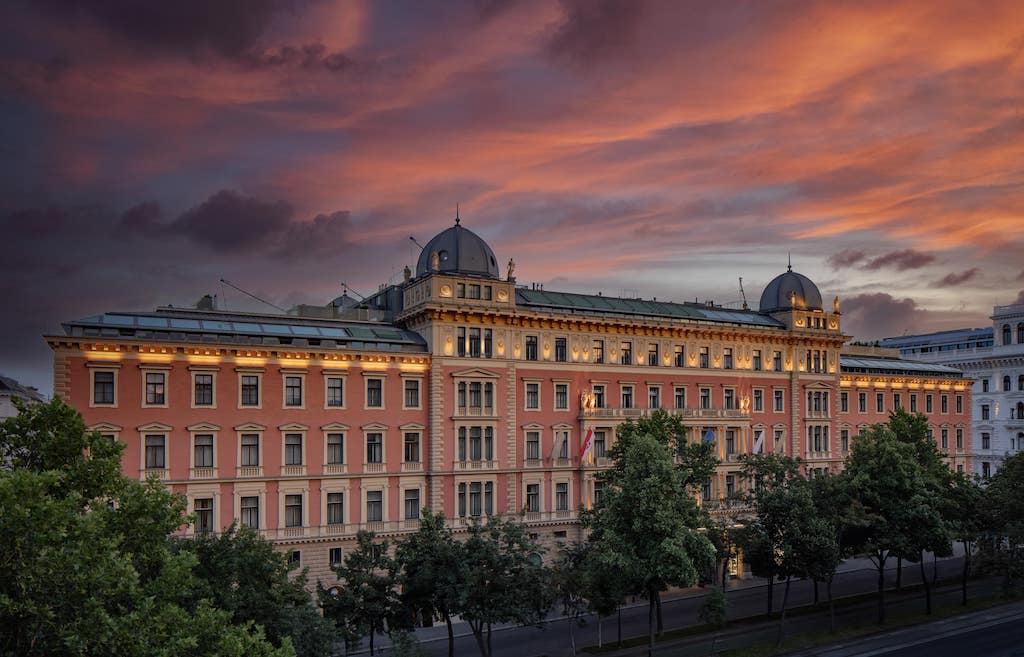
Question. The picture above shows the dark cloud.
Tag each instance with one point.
(143, 218)
(229, 28)
(228, 221)
(55, 67)
(954, 278)
(326, 233)
(879, 315)
(846, 258)
(1020, 276)
(1020, 297)
(595, 29)
(308, 57)
(900, 260)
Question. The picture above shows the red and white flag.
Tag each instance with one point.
(585, 447)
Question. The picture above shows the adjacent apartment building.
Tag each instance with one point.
(461, 391)
(994, 358)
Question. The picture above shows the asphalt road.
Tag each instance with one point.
(1003, 640)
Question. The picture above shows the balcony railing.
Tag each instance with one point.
(817, 415)
(373, 467)
(342, 529)
(694, 413)
(474, 465)
(549, 516)
(532, 463)
(203, 473)
(160, 473)
(412, 466)
(335, 468)
(293, 470)
(250, 471)
(474, 411)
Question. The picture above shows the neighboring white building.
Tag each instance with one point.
(994, 357)
(9, 388)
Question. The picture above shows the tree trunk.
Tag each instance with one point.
(650, 626)
(572, 638)
(782, 618)
(967, 567)
(831, 608)
(881, 589)
(620, 625)
(927, 588)
(771, 590)
(899, 573)
(815, 593)
(489, 650)
(657, 606)
(478, 634)
(371, 639)
(935, 567)
(725, 573)
(599, 643)
(451, 634)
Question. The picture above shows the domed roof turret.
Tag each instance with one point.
(790, 291)
(457, 250)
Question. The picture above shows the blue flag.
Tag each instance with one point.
(709, 436)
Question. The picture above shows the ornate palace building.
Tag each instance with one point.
(994, 358)
(461, 391)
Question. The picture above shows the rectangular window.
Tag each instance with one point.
(293, 391)
(729, 397)
(680, 397)
(727, 358)
(412, 393)
(374, 448)
(705, 398)
(335, 508)
(862, 402)
(562, 496)
(779, 436)
(250, 390)
(476, 499)
(411, 447)
(627, 396)
(757, 360)
(913, 403)
(627, 353)
(653, 397)
(487, 292)
(103, 387)
(335, 557)
(945, 438)
(474, 291)
(897, 401)
(844, 440)
(759, 400)
(374, 506)
(156, 389)
(652, 355)
(250, 508)
(778, 401)
(986, 469)
(532, 395)
(777, 361)
(293, 449)
(562, 443)
(533, 498)
(474, 343)
(204, 390)
(374, 393)
(959, 438)
(600, 443)
(203, 507)
(730, 441)
(462, 341)
(598, 492)
(984, 385)
(293, 510)
(203, 451)
(155, 452)
(928, 406)
(959, 404)
(679, 357)
(250, 449)
(412, 504)
(335, 391)
(730, 485)
(335, 448)
(294, 559)
(986, 441)
(561, 396)
(599, 401)
(705, 357)
(985, 412)
(598, 350)
(533, 445)
(531, 347)
(879, 402)
(844, 401)
(561, 350)
(944, 402)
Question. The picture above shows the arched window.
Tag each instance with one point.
(1006, 383)
(1020, 382)
(1020, 410)
(1020, 333)
(1020, 440)
(1006, 334)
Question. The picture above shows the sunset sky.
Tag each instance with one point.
(630, 147)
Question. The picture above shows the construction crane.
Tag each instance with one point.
(744, 295)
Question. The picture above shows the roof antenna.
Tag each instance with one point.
(789, 257)
(230, 284)
(457, 219)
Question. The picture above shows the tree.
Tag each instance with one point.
(242, 573)
(571, 580)
(1002, 548)
(832, 503)
(967, 521)
(431, 566)
(724, 536)
(712, 613)
(85, 561)
(368, 600)
(890, 495)
(505, 581)
(647, 524)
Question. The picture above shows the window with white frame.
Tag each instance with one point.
(600, 445)
(250, 456)
(680, 397)
(411, 447)
(202, 385)
(103, 388)
(156, 451)
(335, 448)
(475, 498)
(293, 510)
(249, 507)
(758, 400)
(756, 361)
(293, 449)
(532, 396)
(374, 447)
(335, 557)
(374, 506)
(412, 393)
(202, 450)
(250, 390)
(412, 503)
(778, 401)
(561, 396)
(532, 498)
(627, 396)
(374, 393)
(335, 395)
(653, 397)
(533, 445)
(705, 398)
(293, 391)
(203, 508)
(335, 508)
(156, 388)
(562, 496)
(476, 443)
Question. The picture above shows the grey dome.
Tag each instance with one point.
(789, 291)
(459, 251)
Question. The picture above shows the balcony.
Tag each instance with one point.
(817, 415)
(250, 471)
(202, 473)
(335, 468)
(412, 466)
(293, 470)
(474, 411)
(464, 466)
(163, 474)
(532, 463)
(373, 468)
(550, 516)
(692, 413)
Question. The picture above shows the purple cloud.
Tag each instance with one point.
(900, 260)
(954, 278)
